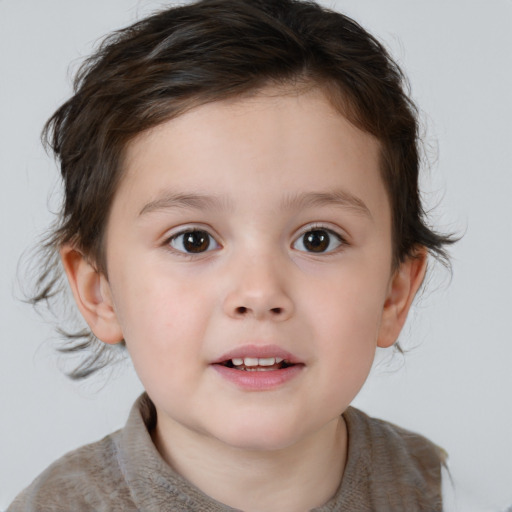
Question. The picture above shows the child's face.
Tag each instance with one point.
(291, 258)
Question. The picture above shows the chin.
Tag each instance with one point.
(259, 436)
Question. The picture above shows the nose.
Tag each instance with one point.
(258, 291)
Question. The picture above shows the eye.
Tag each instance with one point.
(193, 241)
(318, 241)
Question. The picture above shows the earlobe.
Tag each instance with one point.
(403, 287)
(92, 294)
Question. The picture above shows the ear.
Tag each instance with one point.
(403, 286)
(92, 294)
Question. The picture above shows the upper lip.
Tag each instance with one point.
(258, 351)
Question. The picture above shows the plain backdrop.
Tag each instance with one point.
(454, 384)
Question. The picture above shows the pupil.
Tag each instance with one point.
(316, 241)
(196, 241)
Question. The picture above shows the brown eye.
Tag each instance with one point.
(193, 242)
(318, 241)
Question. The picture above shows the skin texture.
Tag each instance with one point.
(282, 447)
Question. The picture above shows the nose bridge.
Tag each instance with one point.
(258, 285)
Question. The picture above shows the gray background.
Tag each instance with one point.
(453, 386)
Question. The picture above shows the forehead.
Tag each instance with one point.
(270, 145)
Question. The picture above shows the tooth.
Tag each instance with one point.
(279, 360)
(251, 361)
(267, 361)
(237, 362)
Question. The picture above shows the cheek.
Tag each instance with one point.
(344, 317)
(163, 319)
(348, 338)
(349, 305)
(149, 298)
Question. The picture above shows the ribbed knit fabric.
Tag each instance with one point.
(388, 469)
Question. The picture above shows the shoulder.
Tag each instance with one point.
(86, 479)
(394, 460)
(384, 437)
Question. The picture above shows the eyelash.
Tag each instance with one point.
(176, 236)
(341, 242)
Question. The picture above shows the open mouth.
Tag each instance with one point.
(253, 364)
(258, 368)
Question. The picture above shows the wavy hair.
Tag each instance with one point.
(211, 50)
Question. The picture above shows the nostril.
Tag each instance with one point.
(242, 311)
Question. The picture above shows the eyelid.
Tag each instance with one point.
(322, 227)
(183, 229)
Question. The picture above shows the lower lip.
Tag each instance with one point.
(258, 380)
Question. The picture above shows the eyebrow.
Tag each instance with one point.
(336, 198)
(299, 201)
(186, 201)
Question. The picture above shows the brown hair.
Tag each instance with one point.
(208, 51)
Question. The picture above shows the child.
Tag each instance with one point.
(242, 213)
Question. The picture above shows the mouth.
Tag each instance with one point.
(258, 368)
(257, 364)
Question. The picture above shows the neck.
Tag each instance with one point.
(297, 478)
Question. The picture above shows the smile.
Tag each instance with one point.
(258, 368)
(257, 364)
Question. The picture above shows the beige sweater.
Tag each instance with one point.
(388, 469)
